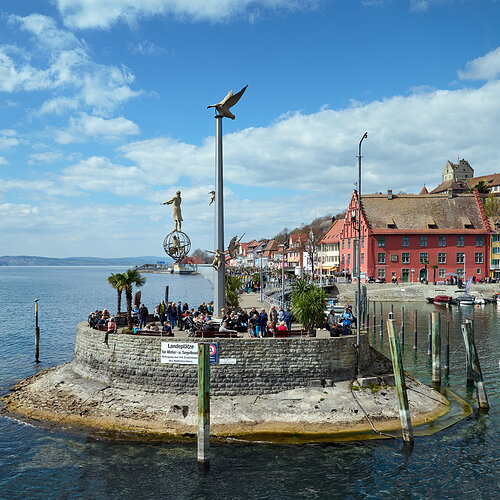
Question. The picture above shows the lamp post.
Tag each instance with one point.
(358, 258)
(261, 281)
(283, 276)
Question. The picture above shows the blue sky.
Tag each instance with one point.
(103, 112)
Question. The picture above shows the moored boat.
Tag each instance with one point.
(442, 299)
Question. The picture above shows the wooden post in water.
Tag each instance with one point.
(204, 406)
(374, 318)
(470, 347)
(37, 334)
(415, 332)
(468, 362)
(429, 336)
(367, 315)
(166, 297)
(381, 320)
(399, 377)
(403, 325)
(447, 347)
(436, 349)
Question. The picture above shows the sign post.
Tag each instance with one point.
(204, 407)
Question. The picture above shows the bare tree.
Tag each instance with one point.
(202, 255)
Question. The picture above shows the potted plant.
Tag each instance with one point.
(308, 303)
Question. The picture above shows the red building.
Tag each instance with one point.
(417, 236)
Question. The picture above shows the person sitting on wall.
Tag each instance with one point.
(271, 330)
(336, 330)
(281, 330)
(347, 319)
(111, 325)
(167, 329)
(101, 324)
(208, 326)
(153, 327)
(224, 328)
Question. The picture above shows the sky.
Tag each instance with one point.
(103, 113)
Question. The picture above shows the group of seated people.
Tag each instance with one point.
(102, 320)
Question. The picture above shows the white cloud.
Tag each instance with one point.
(486, 67)
(103, 13)
(147, 48)
(3, 160)
(45, 157)
(59, 61)
(8, 142)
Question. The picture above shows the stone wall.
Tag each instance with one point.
(262, 366)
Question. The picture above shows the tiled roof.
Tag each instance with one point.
(332, 235)
(422, 212)
(424, 191)
(489, 180)
(460, 186)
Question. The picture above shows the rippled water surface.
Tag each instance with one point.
(35, 463)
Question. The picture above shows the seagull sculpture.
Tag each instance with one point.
(228, 102)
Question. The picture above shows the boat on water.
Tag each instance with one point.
(442, 300)
(465, 299)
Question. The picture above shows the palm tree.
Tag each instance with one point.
(114, 280)
(130, 278)
(308, 304)
(482, 187)
(233, 285)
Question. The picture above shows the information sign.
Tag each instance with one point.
(182, 353)
(214, 354)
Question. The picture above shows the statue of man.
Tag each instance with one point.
(217, 262)
(175, 201)
(176, 246)
(233, 246)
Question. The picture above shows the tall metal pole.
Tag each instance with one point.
(204, 406)
(321, 267)
(261, 280)
(358, 258)
(219, 276)
(283, 278)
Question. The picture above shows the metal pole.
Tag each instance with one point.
(402, 325)
(283, 278)
(468, 360)
(37, 334)
(415, 332)
(261, 281)
(447, 347)
(321, 267)
(429, 336)
(374, 318)
(381, 321)
(219, 276)
(204, 406)
(358, 258)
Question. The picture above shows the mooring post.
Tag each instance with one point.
(37, 334)
(204, 406)
(415, 332)
(381, 321)
(403, 325)
(399, 377)
(392, 308)
(468, 362)
(367, 316)
(447, 347)
(374, 318)
(429, 336)
(166, 296)
(470, 347)
(436, 349)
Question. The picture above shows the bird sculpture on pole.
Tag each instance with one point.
(228, 102)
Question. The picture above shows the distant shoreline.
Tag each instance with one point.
(37, 261)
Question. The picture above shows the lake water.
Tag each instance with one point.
(36, 463)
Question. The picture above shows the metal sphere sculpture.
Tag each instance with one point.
(177, 244)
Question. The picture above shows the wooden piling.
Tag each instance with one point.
(429, 336)
(436, 349)
(468, 362)
(447, 347)
(470, 347)
(399, 377)
(415, 332)
(37, 334)
(381, 321)
(374, 318)
(166, 295)
(204, 406)
(402, 325)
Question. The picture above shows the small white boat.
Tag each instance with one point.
(465, 300)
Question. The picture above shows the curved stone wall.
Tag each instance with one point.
(262, 366)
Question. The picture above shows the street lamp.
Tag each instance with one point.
(260, 286)
(358, 258)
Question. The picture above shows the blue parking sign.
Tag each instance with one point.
(214, 354)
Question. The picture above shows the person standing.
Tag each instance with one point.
(273, 315)
(143, 316)
(281, 314)
(179, 315)
(288, 318)
(347, 319)
(263, 319)
(254, 325)
(162, 311)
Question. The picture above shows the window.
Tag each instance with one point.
(362, 258)
(460, 257)
(479, 241)
(478, 270)
(496, 249)
(362, 242)
(423, 241)
(394, 257)
(460, 272)
(460, 241)
(349, 259)
(380, 273)
(381, 241)
(441, 273)
(405, 258)
(349, 243)
(343, 244)
(442, 241)
(381, 258)
(424, 258)
(478, 258)
(343, 260)
(441, 258)
(496, 237)
(405, 241)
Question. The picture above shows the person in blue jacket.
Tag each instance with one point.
(347, 319)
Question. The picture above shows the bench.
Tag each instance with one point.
(216, 334)
(291, 333)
